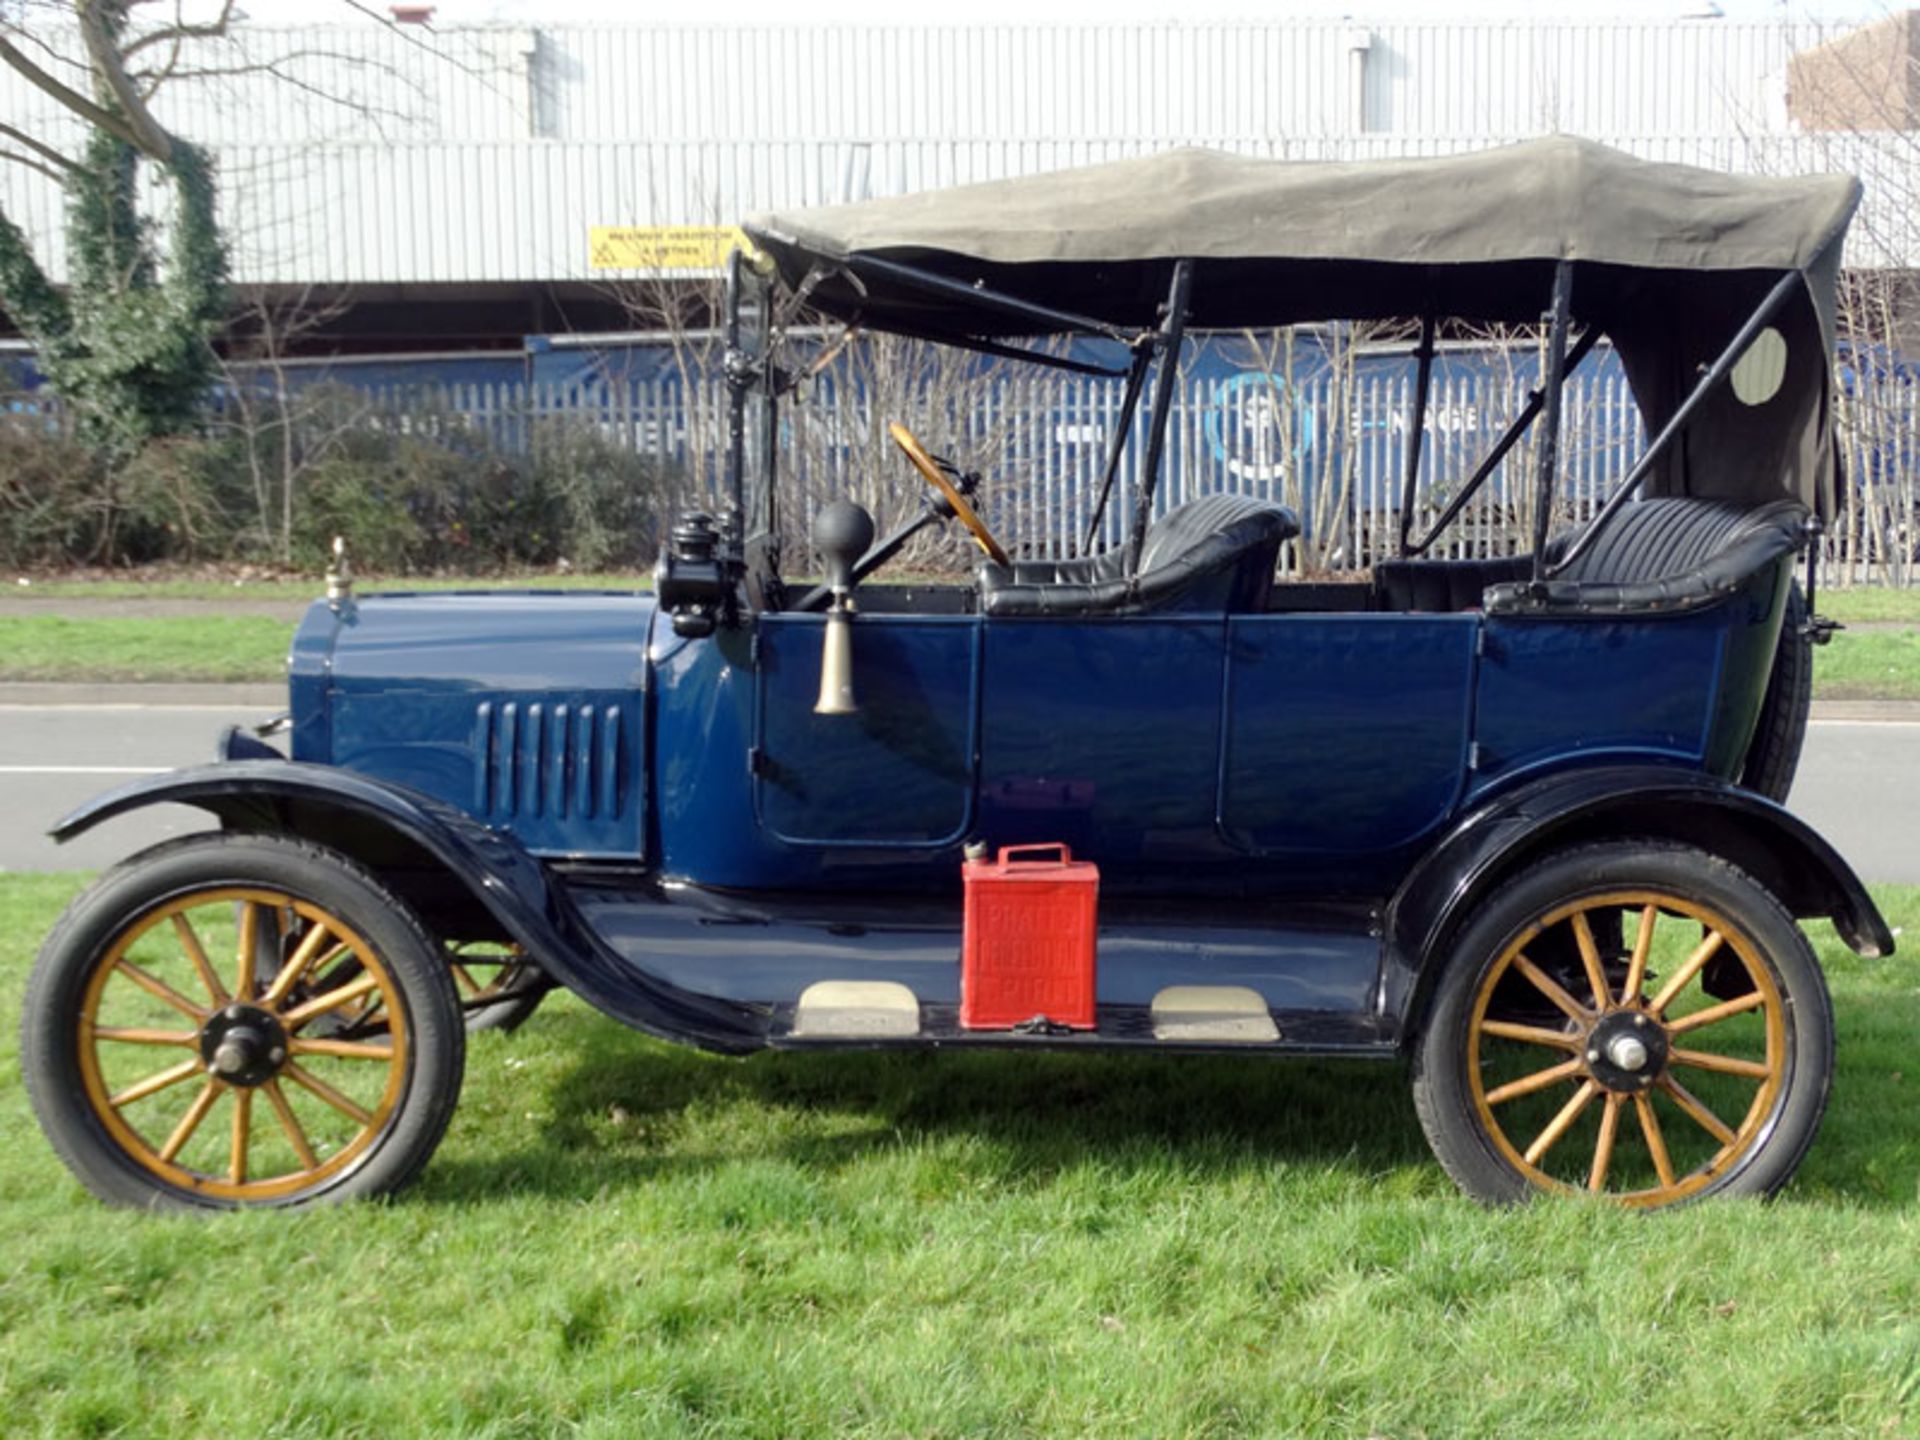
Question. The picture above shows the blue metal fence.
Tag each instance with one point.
(1327, 440)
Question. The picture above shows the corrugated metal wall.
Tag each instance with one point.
(365, 154)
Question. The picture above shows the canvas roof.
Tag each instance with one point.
(1668, 260)
(1555, 198)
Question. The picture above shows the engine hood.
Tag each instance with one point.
(524, 708)
(509, 639)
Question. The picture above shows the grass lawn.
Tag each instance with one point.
(623, 1239)
(98, 586)
(1871, 604)
(1869, 665)
(190, 647)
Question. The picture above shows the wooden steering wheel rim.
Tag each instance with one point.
(931, 472)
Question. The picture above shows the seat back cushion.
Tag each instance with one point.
(1665, 552)
(1215, 553)
(1434, 586)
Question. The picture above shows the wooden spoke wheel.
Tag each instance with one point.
(499, 987)
(231, 1021)
(1635, 1021)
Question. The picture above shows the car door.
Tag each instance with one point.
(899, 772)
(1102, 732)
(1344, 735)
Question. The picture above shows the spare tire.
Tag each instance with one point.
(1774, 753)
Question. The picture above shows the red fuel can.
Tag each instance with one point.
(1029, 939)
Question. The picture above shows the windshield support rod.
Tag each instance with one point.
(1129, 403)
(739, 379)
(1043, 315)
(1716, 376)
(1547, 457)
(1535, 398)
(1010, 352)
(1172, 331)
(1416, 428)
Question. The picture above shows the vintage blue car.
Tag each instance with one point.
(1510, 822)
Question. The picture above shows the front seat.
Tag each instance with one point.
(1212, 555)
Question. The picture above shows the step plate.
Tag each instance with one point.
(856, 1010)
(1214, 1014)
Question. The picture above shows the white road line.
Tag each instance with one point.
(29, 707)
(85, 769)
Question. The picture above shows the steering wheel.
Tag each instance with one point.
(931, 471)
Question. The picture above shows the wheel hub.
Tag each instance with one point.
(1627, 1050)
(243, 1045)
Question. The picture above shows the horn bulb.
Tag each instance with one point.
(842, 531)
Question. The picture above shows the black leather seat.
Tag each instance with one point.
(1663, 554)
(1653, 554)
(1429, 587)
(1215, 554)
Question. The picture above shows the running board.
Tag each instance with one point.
(883, 1010)
(865, 972)
(1118, 1027)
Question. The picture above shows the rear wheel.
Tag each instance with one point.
(1773, 755)
(190, 1035)
(1635, 1020)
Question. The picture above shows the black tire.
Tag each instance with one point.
(1773, 755)
(160, 913)
(1470, 1085)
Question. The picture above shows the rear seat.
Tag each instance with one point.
(1653, 554)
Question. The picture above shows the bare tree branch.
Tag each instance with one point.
(406, 33)
(26, 35)
(46, 152)
(15, 158)
(103, 47)
(66, 95)
(175, 33)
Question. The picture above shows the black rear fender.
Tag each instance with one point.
(465, 880)
(1771, 844)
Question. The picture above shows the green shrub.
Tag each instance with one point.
(414, 491)
(613, 506)
(183, 499)
(49, 500)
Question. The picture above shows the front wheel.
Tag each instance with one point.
(1636, 1020)
(231, 1021)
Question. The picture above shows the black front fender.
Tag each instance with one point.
(311, 801)
(1772, 844)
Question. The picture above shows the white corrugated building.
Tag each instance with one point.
(468, 166)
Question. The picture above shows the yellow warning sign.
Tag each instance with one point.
(662, 247)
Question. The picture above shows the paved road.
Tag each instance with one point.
(1859, 782)
(54, 757)
(1859, 785)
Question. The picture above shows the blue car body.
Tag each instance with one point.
(1184, 754)
(1291, 802)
